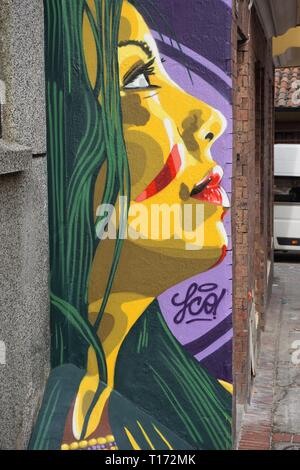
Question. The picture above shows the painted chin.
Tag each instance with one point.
(221, 257)
(223, 247)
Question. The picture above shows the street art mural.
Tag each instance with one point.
(139, 167)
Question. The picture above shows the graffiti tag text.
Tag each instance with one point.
(200, 307)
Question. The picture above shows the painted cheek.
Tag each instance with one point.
(164, 177)
(134, 112)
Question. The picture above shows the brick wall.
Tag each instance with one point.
(253, 185)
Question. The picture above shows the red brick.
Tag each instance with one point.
(278, 437)
(247, 222)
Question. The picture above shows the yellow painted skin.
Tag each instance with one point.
(227, 386)
(154, 119)
(124, 309)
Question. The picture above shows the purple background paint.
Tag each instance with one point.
(194, 36)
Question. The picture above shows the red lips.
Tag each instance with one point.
(209, 189)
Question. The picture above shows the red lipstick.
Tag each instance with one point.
(210, 190)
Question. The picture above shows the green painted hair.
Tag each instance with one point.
(82, 136)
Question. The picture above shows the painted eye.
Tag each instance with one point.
(141, 81)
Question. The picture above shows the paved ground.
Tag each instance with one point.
(272, 420)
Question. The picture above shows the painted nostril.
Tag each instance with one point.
(209, 136)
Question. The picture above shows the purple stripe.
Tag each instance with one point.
(219, 364)
(203, 342)
(197, 57)
(228, 2)
(215, 346)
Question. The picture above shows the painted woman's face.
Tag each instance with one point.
(168, 136)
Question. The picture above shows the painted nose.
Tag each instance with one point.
(210, 136)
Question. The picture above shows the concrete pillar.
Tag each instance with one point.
(24, 297)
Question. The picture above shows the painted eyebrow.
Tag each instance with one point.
(142, 44)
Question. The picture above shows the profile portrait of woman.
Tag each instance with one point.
(120, 129)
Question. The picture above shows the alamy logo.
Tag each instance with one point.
(154, 222)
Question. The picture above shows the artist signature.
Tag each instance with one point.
(204, 305)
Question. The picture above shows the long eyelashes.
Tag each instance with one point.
(146, 69)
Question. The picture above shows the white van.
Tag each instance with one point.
(287, 197)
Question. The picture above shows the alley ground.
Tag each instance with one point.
(272, 420)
